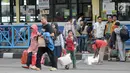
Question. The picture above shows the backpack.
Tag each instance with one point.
(124, 34)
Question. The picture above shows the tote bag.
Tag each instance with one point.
(65, 60)
(41, 42)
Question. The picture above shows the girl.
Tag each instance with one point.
(99, 47)
(58, 42)
(33, 46)
(70, 46)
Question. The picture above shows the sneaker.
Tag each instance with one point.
(53, 69)
(35, 68)
(100, 63)
(25, 67)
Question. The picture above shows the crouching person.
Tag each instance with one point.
(33, 46)
(70, 46)
(99, 47)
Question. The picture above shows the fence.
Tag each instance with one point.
(12, 36)
(15, 36)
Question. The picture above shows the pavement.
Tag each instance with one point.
(14, 66)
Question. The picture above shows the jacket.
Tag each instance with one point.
(48, 40)
(111, 27)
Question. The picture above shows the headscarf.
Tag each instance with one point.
(35, 31)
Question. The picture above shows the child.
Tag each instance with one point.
(99, 47)
(70, 46)
(33, 46)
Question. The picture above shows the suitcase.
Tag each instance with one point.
(114, 54)
(24, 57)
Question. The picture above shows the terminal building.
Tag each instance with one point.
(19, 11)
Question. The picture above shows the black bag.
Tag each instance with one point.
(124, 34)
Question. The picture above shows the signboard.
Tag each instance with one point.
(66, 13)
(108, 7)
(44, 11)
(44, 4)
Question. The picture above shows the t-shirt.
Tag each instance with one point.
(99, 44)
(48, 28)
(99, 27)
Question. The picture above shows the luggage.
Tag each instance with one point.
(114, 54)
(65, 60)
(24, 57)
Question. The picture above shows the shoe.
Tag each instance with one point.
(74, 67)
(53, 69)
(25, 67)
(122, 61)
(35, 68)
(100, 63)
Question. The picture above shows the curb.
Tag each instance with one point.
(10, 55)
(18, 56)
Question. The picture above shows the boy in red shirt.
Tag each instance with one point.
(99, 48)
(70, 46)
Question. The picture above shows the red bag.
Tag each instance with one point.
(24, 57)
(33, 59)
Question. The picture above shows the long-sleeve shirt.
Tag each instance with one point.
(59, 41)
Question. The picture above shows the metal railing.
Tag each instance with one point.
(13, 36)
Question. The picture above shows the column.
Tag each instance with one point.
(95, 9)
(17, 11)
(0, 11)
(11, 11)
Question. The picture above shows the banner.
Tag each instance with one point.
(44, 4)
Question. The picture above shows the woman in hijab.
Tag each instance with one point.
(33, 46)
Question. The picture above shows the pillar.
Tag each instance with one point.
(17, 11)
(95, 9)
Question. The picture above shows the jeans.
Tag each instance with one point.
(83, 43)
(57, 51)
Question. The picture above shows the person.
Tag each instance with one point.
(69, 26)
(81, 16)
(118, 42)
(49, 48)
(99, 48)
(70, 46)
(99, 28)
(83, 37)
(59, 41)
(23, 32)
(33, 46)
(109, 28)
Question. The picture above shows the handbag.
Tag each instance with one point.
(41, 42)
(65, 60)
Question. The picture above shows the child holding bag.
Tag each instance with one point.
(70, 46)
(33, 46)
